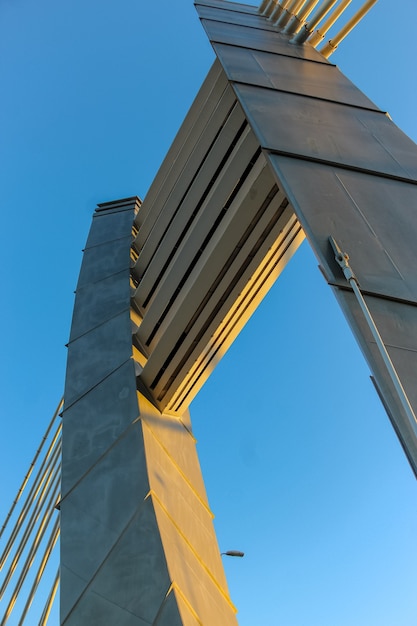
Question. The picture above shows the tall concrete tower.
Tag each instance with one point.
(277, 146)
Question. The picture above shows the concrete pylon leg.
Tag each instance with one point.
(137, 540)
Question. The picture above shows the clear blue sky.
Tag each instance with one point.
(303, 470)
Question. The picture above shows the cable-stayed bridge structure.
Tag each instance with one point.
(167, 284)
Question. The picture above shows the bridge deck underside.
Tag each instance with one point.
(214, 233)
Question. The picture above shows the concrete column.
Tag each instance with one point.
(137, 540)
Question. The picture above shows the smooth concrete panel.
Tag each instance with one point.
(186, 420)
(169, 614)
(100, 302)
(119, 480)
(88, 364)
(268, 41)
(397, 324)
(202, 592)
(94, 424)
(185, 509)
(327, 131)
(178, 443)
(74, 587)
(95, 610)
(104, 260)
(371, 217)
(229, 6)
(96, 513)
(86, 544)
(254, 20)
(187, 616)
(110, 226)
(290, 74)
(134, 575)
